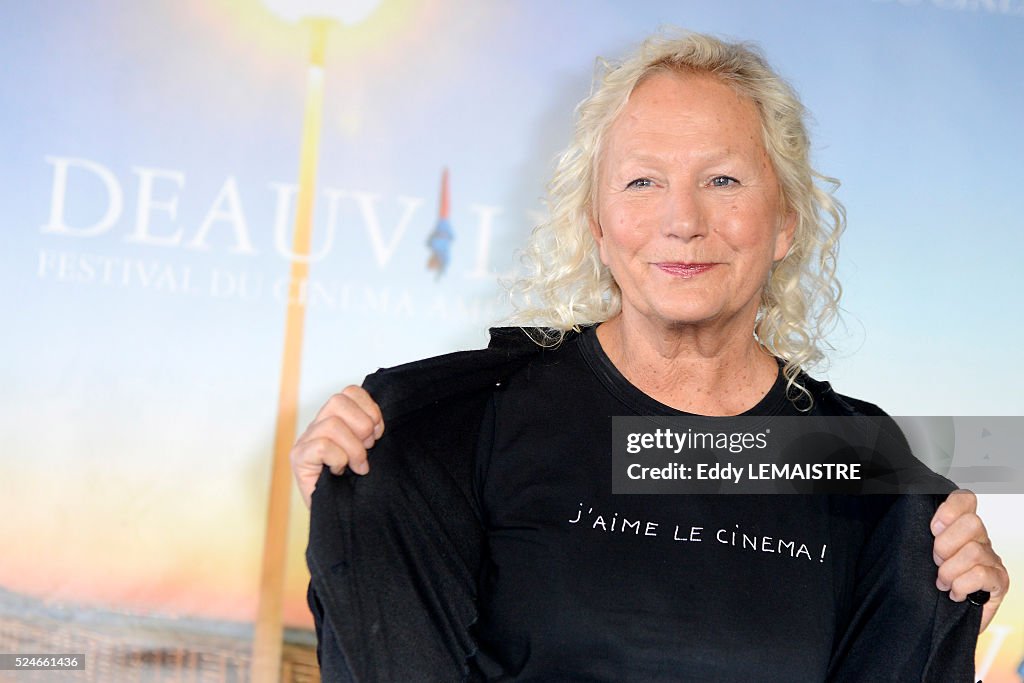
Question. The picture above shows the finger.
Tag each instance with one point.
(957, 503)
(314, 454)
(308, 458)
(988, 612)
(966, 558)
(995, 597)
(975, 579)
(337, 430)
(368, 406)
(964, 529)
(344, 407)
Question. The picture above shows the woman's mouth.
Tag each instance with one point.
(684, 270)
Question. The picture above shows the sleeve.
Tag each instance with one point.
(394, 556)
(902, 628)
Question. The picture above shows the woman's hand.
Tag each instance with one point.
(339, 436)
(964, 554)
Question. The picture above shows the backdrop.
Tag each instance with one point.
(148, 182)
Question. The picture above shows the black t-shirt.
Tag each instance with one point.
(581, 584)
(485, 542)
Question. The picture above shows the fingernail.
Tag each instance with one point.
(938, 560)
(368, 442)
(361, 467)
(378, 429)
(938, 527)
(941, 586)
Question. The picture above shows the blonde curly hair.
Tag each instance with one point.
(566, 286)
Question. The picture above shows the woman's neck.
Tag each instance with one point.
(701, 371)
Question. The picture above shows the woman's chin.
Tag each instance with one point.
(687, 316)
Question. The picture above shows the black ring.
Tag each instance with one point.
(979, 598)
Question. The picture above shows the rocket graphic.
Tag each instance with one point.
(440, 241)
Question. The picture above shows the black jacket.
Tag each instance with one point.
(403, 609)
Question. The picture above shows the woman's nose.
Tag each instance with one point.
(684, 217)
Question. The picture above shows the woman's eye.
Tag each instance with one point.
(641, 182)
(723, 181)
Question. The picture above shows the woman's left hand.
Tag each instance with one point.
(964, 554)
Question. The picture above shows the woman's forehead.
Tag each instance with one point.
(685, 113)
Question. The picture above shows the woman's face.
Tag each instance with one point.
(689, 215)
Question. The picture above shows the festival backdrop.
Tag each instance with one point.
(149, 176)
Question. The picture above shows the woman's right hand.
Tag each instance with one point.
(339, 436)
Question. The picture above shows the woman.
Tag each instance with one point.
(693, 253)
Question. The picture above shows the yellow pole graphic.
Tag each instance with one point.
(268, 635)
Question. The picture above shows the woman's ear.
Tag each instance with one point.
(784, 240)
